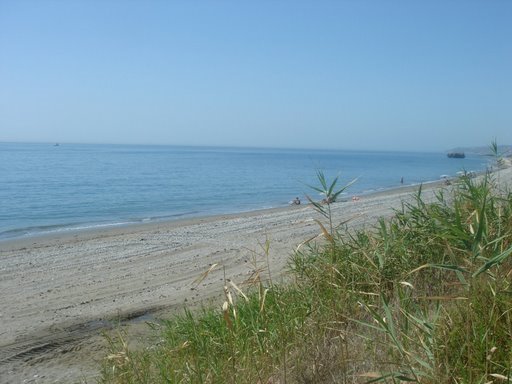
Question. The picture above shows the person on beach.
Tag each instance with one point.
(296, 201)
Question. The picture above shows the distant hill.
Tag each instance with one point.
(505, 150)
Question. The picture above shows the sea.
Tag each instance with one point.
(51, 188)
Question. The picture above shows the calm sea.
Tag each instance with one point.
(46, 188)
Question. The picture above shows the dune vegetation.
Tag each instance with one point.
(423, 297)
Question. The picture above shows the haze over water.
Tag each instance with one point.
(47, 188)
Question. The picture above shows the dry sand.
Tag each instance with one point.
(60, 292)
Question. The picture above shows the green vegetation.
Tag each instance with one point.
(423, 297)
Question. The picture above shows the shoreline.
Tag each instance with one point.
(60, 291)
(65, 232)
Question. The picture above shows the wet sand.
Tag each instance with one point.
(60, 292)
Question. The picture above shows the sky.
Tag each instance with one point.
(354, 74)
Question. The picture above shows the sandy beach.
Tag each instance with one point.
(60, 292)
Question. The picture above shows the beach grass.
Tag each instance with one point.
(424, 297)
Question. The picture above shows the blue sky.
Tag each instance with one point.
(383, 74)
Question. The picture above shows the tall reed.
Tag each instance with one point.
(422, 297)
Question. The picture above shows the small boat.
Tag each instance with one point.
(56, 144)
(456, 155)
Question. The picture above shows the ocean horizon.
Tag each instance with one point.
(49, 188)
